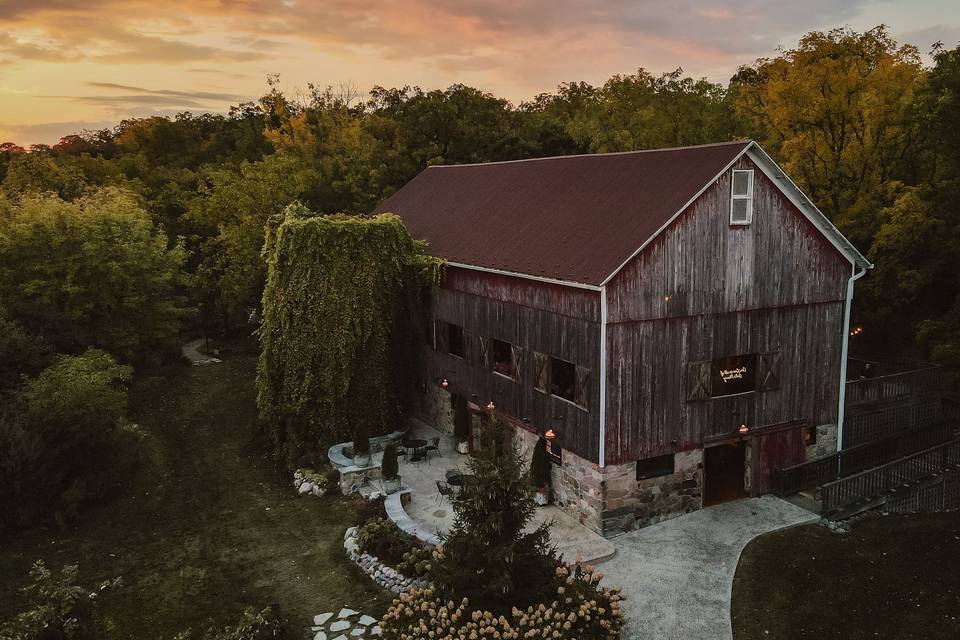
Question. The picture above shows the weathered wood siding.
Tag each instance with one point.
(705, 289)
(559, 321)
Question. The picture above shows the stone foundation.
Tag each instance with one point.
(826, 442)
(435, 408)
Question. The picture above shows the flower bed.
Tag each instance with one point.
(318, 483)
(386, 576)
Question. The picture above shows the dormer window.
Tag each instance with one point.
(741, 196)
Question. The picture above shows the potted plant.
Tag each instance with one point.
(540, 472)
(390, 470)
(461, 423)
(361, 446)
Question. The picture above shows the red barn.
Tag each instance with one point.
(675, 318)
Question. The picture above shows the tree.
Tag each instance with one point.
(92, 272)
(21, 353)
(516, 567)
(389, 466)
(540, 464)
(837, 112)
(41, 172)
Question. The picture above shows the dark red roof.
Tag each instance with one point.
(573, 218)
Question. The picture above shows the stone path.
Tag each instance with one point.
(345, 625)
(677, 576)
(191, 351)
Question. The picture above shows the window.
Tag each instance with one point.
(810, 436)
(655, 467)
(455, 341)
(563, 379)
(502, 361)
(741, 196)
(733, 375)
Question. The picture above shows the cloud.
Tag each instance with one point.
(125, 100)
(48, 132)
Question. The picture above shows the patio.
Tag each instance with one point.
(420, 510)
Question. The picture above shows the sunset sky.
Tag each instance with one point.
(66, 65)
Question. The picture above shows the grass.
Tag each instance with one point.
(892, 577)
(208, 527)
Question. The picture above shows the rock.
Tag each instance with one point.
(320, 636)
(317, 491)
(376, 631)
(341, 637)
(359, 631)
(322, 618)
(297, 482)
(351, 532)
(340, 625)
(305, 488)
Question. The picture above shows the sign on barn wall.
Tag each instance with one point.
(731, 375)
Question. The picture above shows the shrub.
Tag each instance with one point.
(382, 539)
(368, 510)
(416, 563)
(265, 625)
(389, 466)
(361, 440)
(58, 608)
(540, 465)
(66, 442)
(21, 354)
(461, 418)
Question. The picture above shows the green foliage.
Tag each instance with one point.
(21, 354)
(342, 324)
(92, 272)
(368, 510)
(389, 467)
(41, 172)
(461, 418)
(416, 563)
(66, 442)
(383, 540)
(540, 465)
(265, 625)
(58, 608)
(515, 566)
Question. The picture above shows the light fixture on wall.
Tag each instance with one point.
(743, 429)
(445, 383)
(491, 407)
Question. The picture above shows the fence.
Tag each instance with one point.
(897, 385)
(862, 426)
(875, 482)
(941, 493)
(809, 475)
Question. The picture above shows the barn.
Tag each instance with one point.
(674, 321)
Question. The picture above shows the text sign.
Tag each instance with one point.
(733, 374)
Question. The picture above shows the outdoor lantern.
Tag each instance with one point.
(491, 406)
(444, 383)
(549, 435)
(743, 428)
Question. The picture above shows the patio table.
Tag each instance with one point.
(461, 480)
(417, 445)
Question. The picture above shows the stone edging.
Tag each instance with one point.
(393, 504)
(387, 577)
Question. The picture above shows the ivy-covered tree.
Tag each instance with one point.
(342, 324)
(487, 556)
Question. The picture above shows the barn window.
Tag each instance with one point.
(655, 467)
(741, 196)
(502, 361)
(455, 341)
(563, 379)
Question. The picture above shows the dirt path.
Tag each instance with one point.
(191, 351)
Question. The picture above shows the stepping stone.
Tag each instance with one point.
(320, 636)
(340, 625)
(367, 620)
(346, 613)
(376, 631)
(322, 618)
(359, 631)
(341, 637)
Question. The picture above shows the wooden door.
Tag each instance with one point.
(723, 468)
(773, 452)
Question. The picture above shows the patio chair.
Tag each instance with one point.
(443, 490)
(434, 446)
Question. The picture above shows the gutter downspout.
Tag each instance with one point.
(843, 353)
(603, 374)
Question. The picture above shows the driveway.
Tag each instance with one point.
(677, 576)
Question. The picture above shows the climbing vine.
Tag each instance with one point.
(344, 316)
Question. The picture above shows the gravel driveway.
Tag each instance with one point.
(678, 575)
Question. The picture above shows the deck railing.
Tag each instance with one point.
(897, 385)
(862, 425)
(809, 475)
(875, 482)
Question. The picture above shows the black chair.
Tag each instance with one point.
(433, 446)
(443, 490)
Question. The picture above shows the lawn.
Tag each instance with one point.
(892, 577)
(207, 527)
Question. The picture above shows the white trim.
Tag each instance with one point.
(603, 376)
(677, 214)
(527, 276)
(777, 176)
(748, 196)
(844, 349)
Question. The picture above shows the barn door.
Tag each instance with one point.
(774, 452)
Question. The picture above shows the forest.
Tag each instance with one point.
(115, 244)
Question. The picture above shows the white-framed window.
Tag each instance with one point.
(741, 196)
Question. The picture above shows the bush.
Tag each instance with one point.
(382, 539)
(265, 625)
(361, 440)
(461, 418)
(21, 354)
(66, 442)
(58, 608)
(416, 563)
(368, 510)
(388, 466)
(540, 465)
(577, 609)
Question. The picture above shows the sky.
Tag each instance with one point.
(67, 65)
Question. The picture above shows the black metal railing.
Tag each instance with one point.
(809, 475)
(865, 425)
(873, 483)
(905, 384)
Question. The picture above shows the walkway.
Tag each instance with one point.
(677, 576)
(191, 351)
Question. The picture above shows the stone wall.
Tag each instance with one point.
(826, 443)
(435, 407)
(578, 489)
(384, 575)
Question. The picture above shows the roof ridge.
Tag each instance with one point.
(743, 142)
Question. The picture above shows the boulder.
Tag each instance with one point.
(305, 488)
